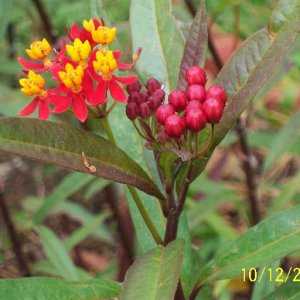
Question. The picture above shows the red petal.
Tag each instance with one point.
(43, 110)
(126, 80)
(29, 65)
(79, 107)
(66, 60)
(117, 54)
(29, 109)
(63, 105)
(88, 86)
(122, 65)
(116, 91)
(61, 52)
(56, 99)
(99, 94)
(74, 32)
(96, 23)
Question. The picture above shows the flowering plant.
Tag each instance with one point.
(159, 125)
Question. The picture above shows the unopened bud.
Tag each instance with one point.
(217, 92)
(178, 99)
(195, 120)
(195, 92)
(213, 110)
(195, 75)
(134, 87)
(153, 85)
(145, 111)
(132, 110)
(174, 126)
(163, 112)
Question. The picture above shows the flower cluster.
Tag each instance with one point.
(184, 115)
(84, 71)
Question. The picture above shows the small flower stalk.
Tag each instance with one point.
(85, 71)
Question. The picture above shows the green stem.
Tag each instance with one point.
(145, 215)
(138, 202)
(107, 129)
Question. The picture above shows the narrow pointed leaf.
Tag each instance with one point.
(154, 276)
(63, 145)
(160, 38)
(68, 186)
(196, 44)
(270, 240)
(43, 288)
(252, 64)
(58, 255)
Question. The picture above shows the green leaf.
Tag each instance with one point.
(270, 240)
(46, 267)
(284, 140)
(252, 64)
(71, 183)
(187, 269)
(289, 290)
(287, 193)
(196, 44)
(58, 255)
(154, 276)
(43, 288)
(264, 285)
(63, 145)
(84, 231)
(160, 38)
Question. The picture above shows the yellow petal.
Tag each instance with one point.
(46, 46)
(31, 54)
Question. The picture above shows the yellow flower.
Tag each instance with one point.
(39, 49)
(72, 78)
(89, 25)
(105, 63)
(104, 35)
(33, 84)
(79, 51)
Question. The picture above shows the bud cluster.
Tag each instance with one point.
(184, 114)
(144, 103)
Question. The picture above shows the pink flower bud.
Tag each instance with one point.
(145, 111)
(160, 94)
(213, 110)
(195, 120)
(193, 105)
(153, 85)
(144, 97)
(134, 97)
(154, 103)
(218, 93)
(195, 75)
(132, 110)
(134, 87)
(174, 126)
(163, 112)
(178, 100)
(195, 92)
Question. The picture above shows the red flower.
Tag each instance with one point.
(106, 64)
(44, 63)
(34, 85)
(77, 86)
(84, 33)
